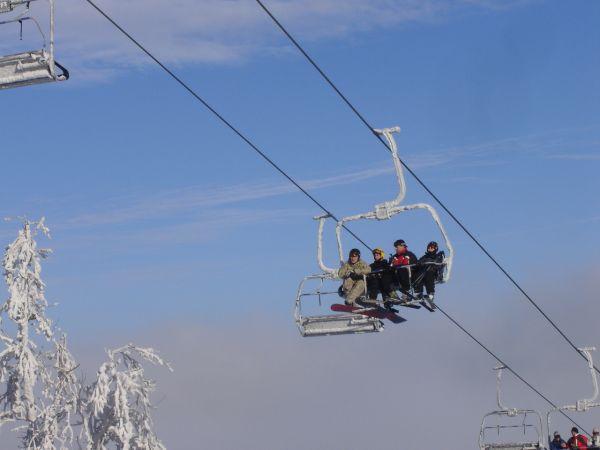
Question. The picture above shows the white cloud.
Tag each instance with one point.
(222, 31)
(576, 156)
(190, 198)
(163, 204)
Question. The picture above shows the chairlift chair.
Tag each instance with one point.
(585, 405)
(316, 288)
(31, 67)
(352, 323)
(501, 414)
(389, 209)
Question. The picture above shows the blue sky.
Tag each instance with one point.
(159, 214)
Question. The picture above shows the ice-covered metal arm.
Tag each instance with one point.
(587, 351)
(322, 265)
(510, 411)
(583, 405)
(382, 210)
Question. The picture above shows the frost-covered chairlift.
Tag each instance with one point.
(31, 67)
(501, 428)
(586, 404)
(314, 288)
(387, 210)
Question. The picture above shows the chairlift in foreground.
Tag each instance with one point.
(31, 67)
(326, 284)
(387, 210)
(586, 404)
(321, 287)
(501, 427)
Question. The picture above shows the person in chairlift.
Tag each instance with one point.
(595, 442)
(352, 272)
(380, 279)
(577, 441)
(427, 271)
(402, 261)
(557, 443)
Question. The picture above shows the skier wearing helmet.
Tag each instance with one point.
(428, 270)
(403, 261)
(380, 279)
(353, 272)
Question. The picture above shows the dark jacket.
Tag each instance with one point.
(437, 257)
(380, 266)
(559, 444)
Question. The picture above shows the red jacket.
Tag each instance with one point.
(405, 259)
(578, 441)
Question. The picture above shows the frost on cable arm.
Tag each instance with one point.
(41, 394)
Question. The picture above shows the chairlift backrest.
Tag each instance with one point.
(31, 67)
(503, 412)
(583, 405)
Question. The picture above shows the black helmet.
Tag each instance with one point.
(400, 242)
(433, 244)
(355, 252)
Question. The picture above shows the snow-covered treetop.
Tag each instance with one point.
(119, 402)
(39, 389)
(22, 273)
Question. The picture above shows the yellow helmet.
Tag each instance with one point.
(380, 251)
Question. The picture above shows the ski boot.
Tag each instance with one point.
(428, 299)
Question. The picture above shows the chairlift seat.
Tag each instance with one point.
(513, 446)
(27, 68)
(338, 324)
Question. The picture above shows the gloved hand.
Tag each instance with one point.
(355, 276)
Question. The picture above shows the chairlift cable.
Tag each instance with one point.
(223, 120)
(272, 163)
(419, 180)
(510, 369)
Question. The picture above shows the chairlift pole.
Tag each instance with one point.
(52, 68)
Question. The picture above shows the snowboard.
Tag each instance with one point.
(376, 312)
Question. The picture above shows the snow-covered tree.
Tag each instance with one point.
(118, 403)
(39, 386)
(40, 391)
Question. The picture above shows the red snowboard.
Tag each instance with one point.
(376, 312)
